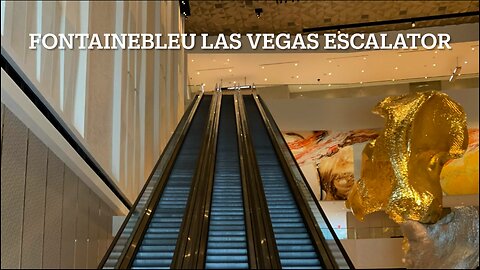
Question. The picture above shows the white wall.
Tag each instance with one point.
(122, 105)
(344, 114)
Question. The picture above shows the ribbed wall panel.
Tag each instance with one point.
(14, 153)
(34, 215)
(43, 211)
(93, 257)
(53, 212)
(82, 226)
(67, 248)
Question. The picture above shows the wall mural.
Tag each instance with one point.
(327, 160)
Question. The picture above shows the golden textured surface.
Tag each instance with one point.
(228, 17)
(401, 168)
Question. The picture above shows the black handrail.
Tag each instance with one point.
(128, 254)
(274, 132)
(192, 243)
(36, 97)
(263, 252)
(180, 129)
(308, 217)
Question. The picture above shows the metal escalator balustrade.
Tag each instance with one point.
(123, 239)
(336, 253)
(158, 244)
(227, 242)
(295, 247)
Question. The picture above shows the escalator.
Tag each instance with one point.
(226, 194)
(158, 244)
(227, 242)
(294, 244)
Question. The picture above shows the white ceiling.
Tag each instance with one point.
(333, 69)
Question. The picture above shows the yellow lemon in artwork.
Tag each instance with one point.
(460, 176)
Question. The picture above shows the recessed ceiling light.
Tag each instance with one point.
(297, 76)
(364, 58)
(393, 80)
(361, 82)
(436, 51)
(301, 95)
(192, 60)
(263, 67)
(466, 62)
(399, 54)
(426, 77)
(473, 49)
(434, 65)
(329, 61)
(234, 82)
(299, 87)
(329, 73)
(296, 64)
(329, 85)
(363, 71)
(198, 72)
(228, 59)
(230, 70)
(396, 68)
(265, 79)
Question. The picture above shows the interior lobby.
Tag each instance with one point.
(245, 158)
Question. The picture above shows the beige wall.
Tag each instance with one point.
(122, 105)
(50, 218)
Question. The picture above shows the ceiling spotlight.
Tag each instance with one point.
(329, 61)
(184, 7)
(413, 24)
(466, 62)
(363, 71)
(455, 73)
(434, 65)
(396, 68)
(329, 73)
(426, 77)
(393, 80)
(297, 76)
(473, 49)
(230, 70)
(339, 31)
(192, 60)
(198, 72)
(364, 58)
(329, 84)
(263, 67)
(361, 82)
(296, 64)
(258, 12)
(228, 59)
(265, 79)
(300, 87)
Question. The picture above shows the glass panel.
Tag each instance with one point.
(131, 226)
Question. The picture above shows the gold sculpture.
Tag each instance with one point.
(401, 168)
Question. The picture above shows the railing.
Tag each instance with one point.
(333, 248)
(29, 89)
(191, 246)
(127, 238)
